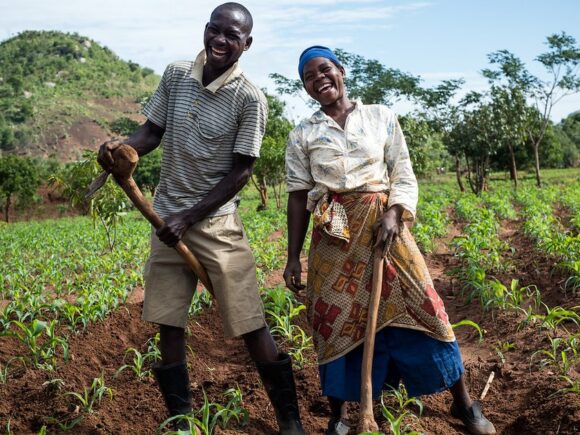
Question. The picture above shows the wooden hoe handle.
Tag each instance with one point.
(125, 160)
(366, 421)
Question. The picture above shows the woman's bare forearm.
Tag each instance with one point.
(298, 218)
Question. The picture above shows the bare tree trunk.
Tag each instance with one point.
(263, 194)
(537, 164)
(470, 178)
(276, 188)
(7, 207)
(263, 191)
(513, 168)
(458, 174)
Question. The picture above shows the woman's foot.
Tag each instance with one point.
(473, 418)
(337, 427)
(338, 423)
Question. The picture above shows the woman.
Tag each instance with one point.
(349, 166)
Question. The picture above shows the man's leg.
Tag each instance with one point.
(275, 370)
(261, 345)
(172, 375)
(171, 344)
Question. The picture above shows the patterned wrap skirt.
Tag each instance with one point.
(339, 281)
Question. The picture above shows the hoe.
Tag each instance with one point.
(126, 158)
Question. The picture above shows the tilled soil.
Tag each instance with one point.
(521, 399)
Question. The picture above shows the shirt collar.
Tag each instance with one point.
(230, 74)
(319, 116)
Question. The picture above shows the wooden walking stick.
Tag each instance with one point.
(125, 160)
(366, 419)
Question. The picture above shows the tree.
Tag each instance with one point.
(108, 205)
(568, 133)
(510, 83)
(374, 83)
(439, 108)
(511, 118)
(477, 137)
(425, 147)
(19, 179)
(561, 61)
(269, 169)
(366, 79)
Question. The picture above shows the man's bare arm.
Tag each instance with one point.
(176, 225)
(145, 139)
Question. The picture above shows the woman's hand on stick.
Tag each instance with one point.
(387, 227)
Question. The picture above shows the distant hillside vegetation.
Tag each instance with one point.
(60, 93)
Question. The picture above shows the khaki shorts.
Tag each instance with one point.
(221, 246)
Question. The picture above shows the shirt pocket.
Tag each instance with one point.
(208, 136)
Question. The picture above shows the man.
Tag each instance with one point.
(212, 120)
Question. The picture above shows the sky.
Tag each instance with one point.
(435, 39)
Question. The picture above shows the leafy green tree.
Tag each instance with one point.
(510, 83)
(19, 179)
(107, 206)
(477, 137)
(568, 134)
(374, 83)
(439, 108)
(561, 63)
(427, 152)
(367, 79)
(269, 169)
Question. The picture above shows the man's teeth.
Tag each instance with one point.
(324, 88)
(218, 52)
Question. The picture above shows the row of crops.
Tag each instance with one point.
(59, 277)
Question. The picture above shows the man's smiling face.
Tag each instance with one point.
(225, 38)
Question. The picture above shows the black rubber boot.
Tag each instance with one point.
(278, 381)
(173, 380)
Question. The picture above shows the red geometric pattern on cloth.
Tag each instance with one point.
(356, 324)
(386, 289)
(352, 287)
(340, 283)
(434, 305)
(325, 315)
(390, 273)
(347, 267)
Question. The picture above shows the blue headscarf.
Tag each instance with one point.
(315, 51)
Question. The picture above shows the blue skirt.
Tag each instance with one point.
(424, 364)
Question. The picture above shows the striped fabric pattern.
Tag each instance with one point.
(204, 126)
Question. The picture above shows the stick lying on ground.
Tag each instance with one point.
(126, 158)
(366, 420)
(487, 385)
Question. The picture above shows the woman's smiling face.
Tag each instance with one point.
(323, 80)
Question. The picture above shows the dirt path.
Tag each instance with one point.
(518, 402)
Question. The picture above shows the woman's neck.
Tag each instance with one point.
(339, 110)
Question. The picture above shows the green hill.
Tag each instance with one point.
(59, 93)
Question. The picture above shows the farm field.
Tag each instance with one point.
(75, 356)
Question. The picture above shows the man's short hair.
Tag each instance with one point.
(232, 6)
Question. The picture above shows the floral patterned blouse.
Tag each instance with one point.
(369, 155)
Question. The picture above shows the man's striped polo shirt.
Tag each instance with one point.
(204, 126)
